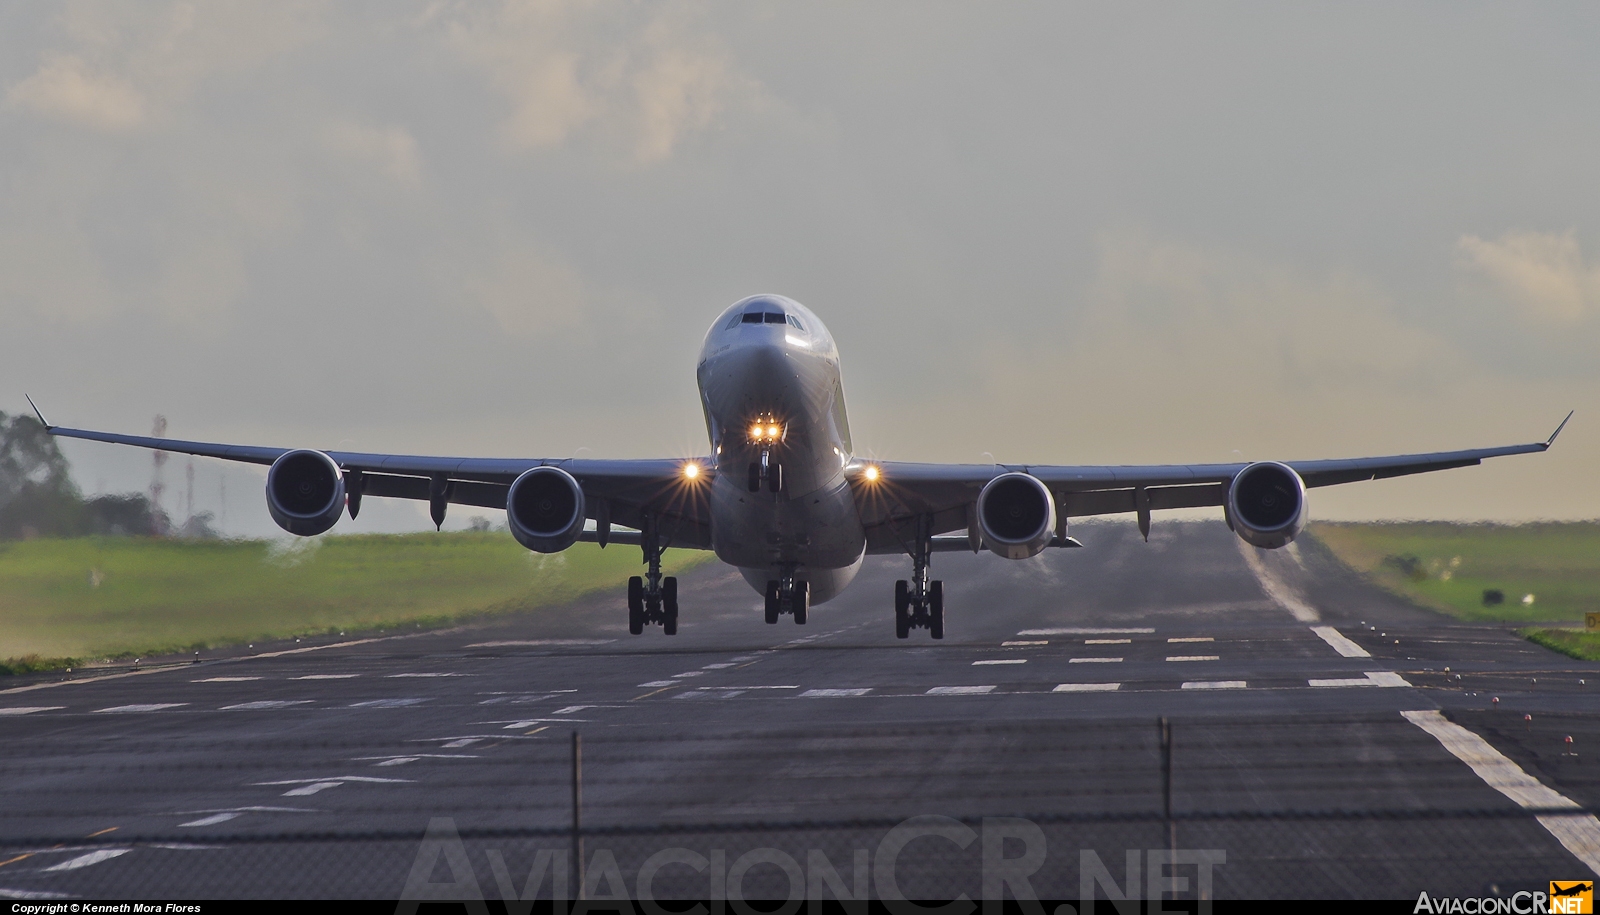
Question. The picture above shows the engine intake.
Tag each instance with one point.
(1016, 515)
(1267, 504)
(305, 492)
(545, 509)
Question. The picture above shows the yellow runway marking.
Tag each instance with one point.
(101, 832)
(652, 693)
(536, 730)
(16, 859)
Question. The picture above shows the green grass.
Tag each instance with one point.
(1574, 643)
(1449, 566)
(115, 597)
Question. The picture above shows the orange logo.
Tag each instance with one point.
(1571, 897)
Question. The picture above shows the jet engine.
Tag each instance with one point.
(545, 509)
(305, 492)
(1267, 504)
(1017, 515)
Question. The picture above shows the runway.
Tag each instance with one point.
(1296, 769)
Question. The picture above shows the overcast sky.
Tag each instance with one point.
(1046, 232)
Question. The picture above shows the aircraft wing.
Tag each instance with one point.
(620, 492)
(945, 492)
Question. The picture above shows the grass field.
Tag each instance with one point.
(111, 597)
(1450, 566)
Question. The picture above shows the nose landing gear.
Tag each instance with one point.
(919, 603)
(787, 595)
(652, 599)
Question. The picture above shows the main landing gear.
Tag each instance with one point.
(652, 599)
(919, 603)
(787, 595)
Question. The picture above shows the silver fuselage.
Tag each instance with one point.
(787, 375)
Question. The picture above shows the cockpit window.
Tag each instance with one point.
(795, 323)
(732, 323)
(752, 317)
(776, 317)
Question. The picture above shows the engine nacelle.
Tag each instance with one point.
(1267, 504)
(1016, 515)
(305, 492)
(545, 509)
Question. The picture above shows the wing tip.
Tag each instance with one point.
(1552, 439)
(42, 421)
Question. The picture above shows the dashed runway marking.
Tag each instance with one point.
(1024, 644)
(1108, 641)
(225, 680)
(262, 704)
(143, 707)
(535, 643)
(1214, 684)
(327, 677)
(1342, 645)
(397, 676)
(213, 819)
(721, 666)
(1086, 687)
(959, 691)
(688, 673)
(387, 703)
(834, 693)
(309, 786)
(1199, 638)
(30, 709)
(1093, 660)
(657, 684)
(1194, 657)
(1000, 661)
(1372, 678)
(1080, 630)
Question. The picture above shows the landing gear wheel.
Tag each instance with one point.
(772, 603)
(902, 609)
(775, 478)
(936, 609)
(669, 606)
(802, 601)
(635, 605)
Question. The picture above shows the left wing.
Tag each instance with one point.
(620, 492)
(899, 493)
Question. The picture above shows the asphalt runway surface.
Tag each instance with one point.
(1329, 740)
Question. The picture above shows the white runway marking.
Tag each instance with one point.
(714, 693)
(834, 693)
(1200, 638)
(1000, 661)
(1194, 657)
(225, 680)
(261, 704)
(534, 643)
(1023, 644)
(1086, 687)
(326, 677)
(1214, 684)
(720, 666)
(144, 707)
(30, 709)
(1342, 645)
(1078, 630)
(688, 673)
(313, 788)
(1108, 641)
(94, 857)
(1372, 678)
(1579, 834)
(528, 722)
(657, 684)
(387, 703)
(310, 786)
(394, 676)
(392, 760)
(959, 690)
(1093, 660)
(461, 742)
(748, 687)
(212, 820)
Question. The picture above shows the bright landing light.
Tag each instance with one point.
(872, 474)
(691, 470)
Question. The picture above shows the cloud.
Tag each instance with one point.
(528, 291)
(67, 88)
(594, 69)
(391, 150)
(1542, 272)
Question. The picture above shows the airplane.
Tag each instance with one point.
(782, 495)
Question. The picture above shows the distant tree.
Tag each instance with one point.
(39, 499)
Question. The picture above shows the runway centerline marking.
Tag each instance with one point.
(30, 709)
(1081, 630)
(387, 703)
(1093, 660)
(959, 691)
(1340, 643)
(225, 680)
(834, 693)
(1578, 834)
(1108, 641)
(1194, 657)
(720, 666)
(397, 676)
(747, 687)
(658, 684)
(262, 704)
(688, 673)
(1215, 684)
(1086, 687)
(999, 661)
(326, 677)
(1196, 638)
(143, 707)
(1024, 644)
(212, 820)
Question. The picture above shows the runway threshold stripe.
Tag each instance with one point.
(834, 693)
(1578, 834)
(992, 662)
(959, 691)
(1086, 687)
(1215, 684)
(1342, 645)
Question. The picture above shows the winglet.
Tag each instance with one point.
(48, 427)
(1552, 439)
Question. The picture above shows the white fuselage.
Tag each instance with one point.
(783, 375)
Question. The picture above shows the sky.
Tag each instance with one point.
(1051, 232)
